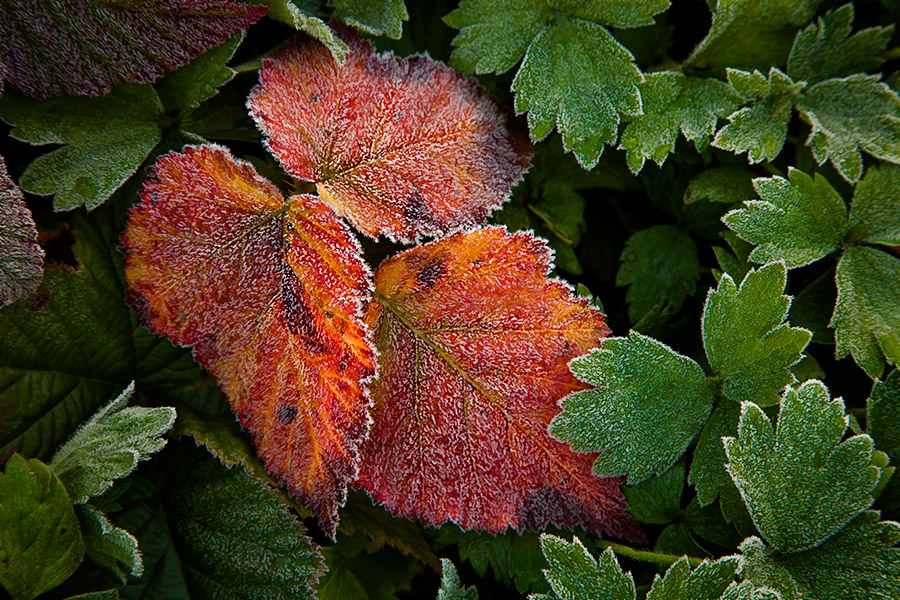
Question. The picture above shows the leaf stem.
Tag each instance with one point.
(647, 556)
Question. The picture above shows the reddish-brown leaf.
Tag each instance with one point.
(474, 346)
(267, 293)
(400, 147)
(21, 258)
(68, 47)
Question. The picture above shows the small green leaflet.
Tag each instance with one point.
(749, 345)
(648, 405)
(40, 543)
(861, 562)
(303, 15)
(875, 212)
(825, 49)
(801, 488)
(381, 17)
(200, 79)
(109, 446)
(451, 588)
(797, 220)
(672, 102)
(760, 129)
(882, 423)
(108, 545)
(721, 184)
(21, 257)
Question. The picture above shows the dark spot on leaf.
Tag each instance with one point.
(286, 414)
(296, 313)
(57, 247)
(416, 209)
(40, 301)
(63, 531)
(549, 505)
(431, 272)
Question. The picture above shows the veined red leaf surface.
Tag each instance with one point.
(266, 291)
(474, 346)
(400, 147)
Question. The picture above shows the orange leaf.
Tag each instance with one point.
(400, 147)
(267, 293)
(474, 346)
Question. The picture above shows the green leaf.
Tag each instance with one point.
(22, 258)
(866, 317)
(648, 404)
(660, 264)
(861, 562)
(108, 545)
(575, 575)
(40, 543)
(799, 220)
(801, 483)
(749, 345)
(358, 570)
(760, 129)
(708, 581)
(657, 501)
(560, 211)
(883, 423)
(673, 102)
(381, 17)
(813, 306)
(875, 212)
(826, 49)
(200, 79)
(303, 15)
(848, 115)
(105, 141)
(451, 588)
(735, 260)
(727, 185)
(578, 78)
(109, 446)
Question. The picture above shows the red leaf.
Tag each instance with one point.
(400, 147)
(267, 293)
(474, 345)
(67, 47)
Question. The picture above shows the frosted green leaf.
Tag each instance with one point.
(21, 257)
(108, 545)
(883, 423)
(727, 185)
(760, 129)
(850, 115)
(826, 49)
(451, 588)
(657, 501)
(801, 488)
(861, 562)
(660, 264)
(648, 404)
(735, 260)
(109, 446)
(377, 17)
(708, 581)
(200, 79)
(301, 15)
(575, 575)
(40, 543)
(866, 316)
(749, 345)
(875, 212)
(613, 13)
(578, 78)
(798, 220)
(105, 141)
(672, 103)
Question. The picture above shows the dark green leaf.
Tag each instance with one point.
(883, 423)
(108, 545)
(657, 501)
(358, 570)
(875, 212)
(575, 575)
(200, 79)
(721, 184)
(451, 588)
(378, 17)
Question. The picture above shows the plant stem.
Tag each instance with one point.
(647, 556)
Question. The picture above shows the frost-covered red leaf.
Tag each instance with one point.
(267, 293)
(21, 258)
(400, 147)
(67, 47)
(474, 343)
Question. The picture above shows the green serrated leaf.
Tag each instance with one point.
(358, 570)
(377, 17)
(560, 210)
(760, 129)
(875, 212)
(648, 405)
(866, 317)
(21, 263)
(813, 306)
(861, 562)
(749, 345)
(735, 261)
(671, 103)
(708, 581)
(657, 501)
(727, 185)
(660, 264)
(709, 523)
(200, 79)
(575, 575)
(798, 220)
(451, 588)
(801, 488)
(108, 545)
(883, 423)
(826, 50)
(40, 543)
(105, 141)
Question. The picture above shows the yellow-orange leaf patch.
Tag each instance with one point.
(267, 292)
(474, 345)
(400, 147)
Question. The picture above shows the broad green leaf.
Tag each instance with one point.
(648, 404)
(875, 212)
(883, 423)
(108, 545)
(849, 115)
(657, 501)
(109, 446)
(578, 78)
(200, 79)
(40, 543)
(861, 562)
(105, 141)
(377, 17)
(708, 581)
(866, 317)
(826, 50)
(760, 128)
(727, 185)
(798, 221)
(671, 103)
(305, 16)
(575, 575)
(661, 267)
(21, 257)
(709, 523)
(749, 345)
(801, 488)
(734, 260)
(358, 570)
(451, 588)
